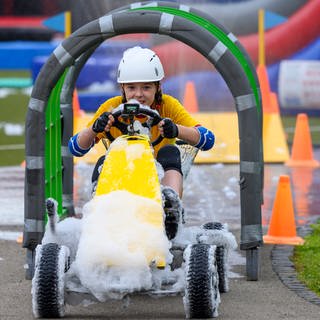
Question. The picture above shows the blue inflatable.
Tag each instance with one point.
(90, 101)
(19, 54)
(101, 67)
(99, 70)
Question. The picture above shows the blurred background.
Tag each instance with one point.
(291, 45)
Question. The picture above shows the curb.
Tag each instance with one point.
(285, 269)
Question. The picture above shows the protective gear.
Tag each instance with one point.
(139, 65)
(74, 147)
(206, 140)
(101, 122)
(169, 157)
(170, 129)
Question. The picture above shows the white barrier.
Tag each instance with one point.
(299, 83)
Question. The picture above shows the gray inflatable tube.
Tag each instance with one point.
(73, 53)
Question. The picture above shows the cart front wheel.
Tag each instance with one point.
(202, 295)
(48, 283)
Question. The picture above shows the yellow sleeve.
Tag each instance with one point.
(173, 109)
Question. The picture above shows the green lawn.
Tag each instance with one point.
(307, 260)
(14, 74)
(13, 110)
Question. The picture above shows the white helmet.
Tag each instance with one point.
(139, 65)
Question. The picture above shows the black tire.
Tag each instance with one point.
(48, 283)
(202, 295)
(253, 264)
(221, 258)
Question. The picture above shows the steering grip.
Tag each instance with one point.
(123, 127)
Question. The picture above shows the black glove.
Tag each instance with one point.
(170, 129)
(101, 122)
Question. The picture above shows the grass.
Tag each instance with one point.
(15, 74)
(13, 110)
(307, 260)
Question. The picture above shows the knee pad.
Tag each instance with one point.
(169, 157)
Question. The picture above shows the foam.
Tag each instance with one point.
(113, 256)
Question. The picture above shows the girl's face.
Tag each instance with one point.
(144, 92)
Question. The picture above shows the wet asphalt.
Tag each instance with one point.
(211, 193)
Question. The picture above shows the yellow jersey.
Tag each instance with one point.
(169, 108)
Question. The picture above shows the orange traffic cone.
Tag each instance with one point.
(76, 105)
(269, 99)
(282, 228)
(302, 153)
(190, 100)
(274, 103)
(264, 87)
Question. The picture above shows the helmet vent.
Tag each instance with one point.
(152, 57)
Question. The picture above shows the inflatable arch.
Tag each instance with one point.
(53, 91)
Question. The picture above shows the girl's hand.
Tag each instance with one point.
(103, 123)
(168, 129)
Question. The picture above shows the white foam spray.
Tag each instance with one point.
(120, 240)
